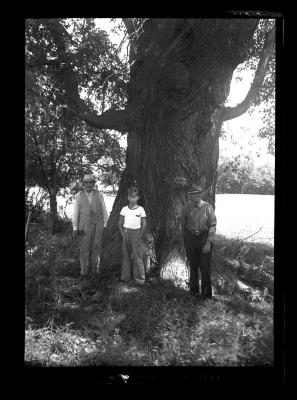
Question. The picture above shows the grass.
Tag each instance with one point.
(158, 324)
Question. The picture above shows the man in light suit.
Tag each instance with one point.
(89, 219)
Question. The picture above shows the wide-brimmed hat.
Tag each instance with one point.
(89, 178)
(194, 188)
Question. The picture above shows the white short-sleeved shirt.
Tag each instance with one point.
(132, 218)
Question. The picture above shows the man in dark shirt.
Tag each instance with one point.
(198, 223)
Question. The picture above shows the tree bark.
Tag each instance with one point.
(53, 210)
(180, 76)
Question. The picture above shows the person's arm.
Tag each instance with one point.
(75, 216)
(183, 221)
(75, 213)
(104, 210)
(121, 222)
(143, 226)
(212, 222)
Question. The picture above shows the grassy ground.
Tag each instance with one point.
(104, 322)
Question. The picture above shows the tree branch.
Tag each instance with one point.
(241, 108)
(42, 61)
(129, 25)
(44, 174)
(111, 119)
(131, 29)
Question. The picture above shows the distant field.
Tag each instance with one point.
(241, 215)
(238, 216)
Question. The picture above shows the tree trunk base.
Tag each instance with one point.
(174, 267)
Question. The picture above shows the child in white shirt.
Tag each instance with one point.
(132, 223)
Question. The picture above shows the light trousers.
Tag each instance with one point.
(90, 243)
(133, 249)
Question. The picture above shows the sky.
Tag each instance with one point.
(243, 129)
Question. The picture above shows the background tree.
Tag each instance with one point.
(59, 147)
(261, 181)
(266, 92)
(240, 175)
(112, 164)
(55, 155)
(34, 202)
(180, 75)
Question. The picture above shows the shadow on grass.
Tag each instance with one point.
(156, 323)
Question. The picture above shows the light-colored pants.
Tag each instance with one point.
(133, 249)
(90, 246)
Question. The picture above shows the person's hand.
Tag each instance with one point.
(206, 248)
(75, 235)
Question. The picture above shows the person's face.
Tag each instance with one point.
(195, 197)
(89, 185)
(133, 199)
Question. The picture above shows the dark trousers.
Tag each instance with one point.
(198, 260)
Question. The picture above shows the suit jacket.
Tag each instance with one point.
(84, 213)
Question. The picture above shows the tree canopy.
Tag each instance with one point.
(59, 145)
(81, 58)
(88, 77)
(240, 175)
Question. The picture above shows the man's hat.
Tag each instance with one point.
(89, 178)
(194, 188)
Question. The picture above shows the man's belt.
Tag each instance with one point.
(197, 232)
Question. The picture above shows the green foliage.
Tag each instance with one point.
(44, 255)
(158, 324)
(251, 263)
(58, 146)
(239, 175)
(95, 60)
(39, 269)
(266, 94)
(34, 203)
(268, 130)
(112, 164)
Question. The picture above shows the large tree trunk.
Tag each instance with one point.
(180, 78)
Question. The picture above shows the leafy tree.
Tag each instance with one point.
(262, 181)
(112, 164)
(268, 130)
(233, 174)
(266, 92)
(239, 175)
(59, 147)
(34, 203)
(58, 150)
(179, 79)
(111, 174)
